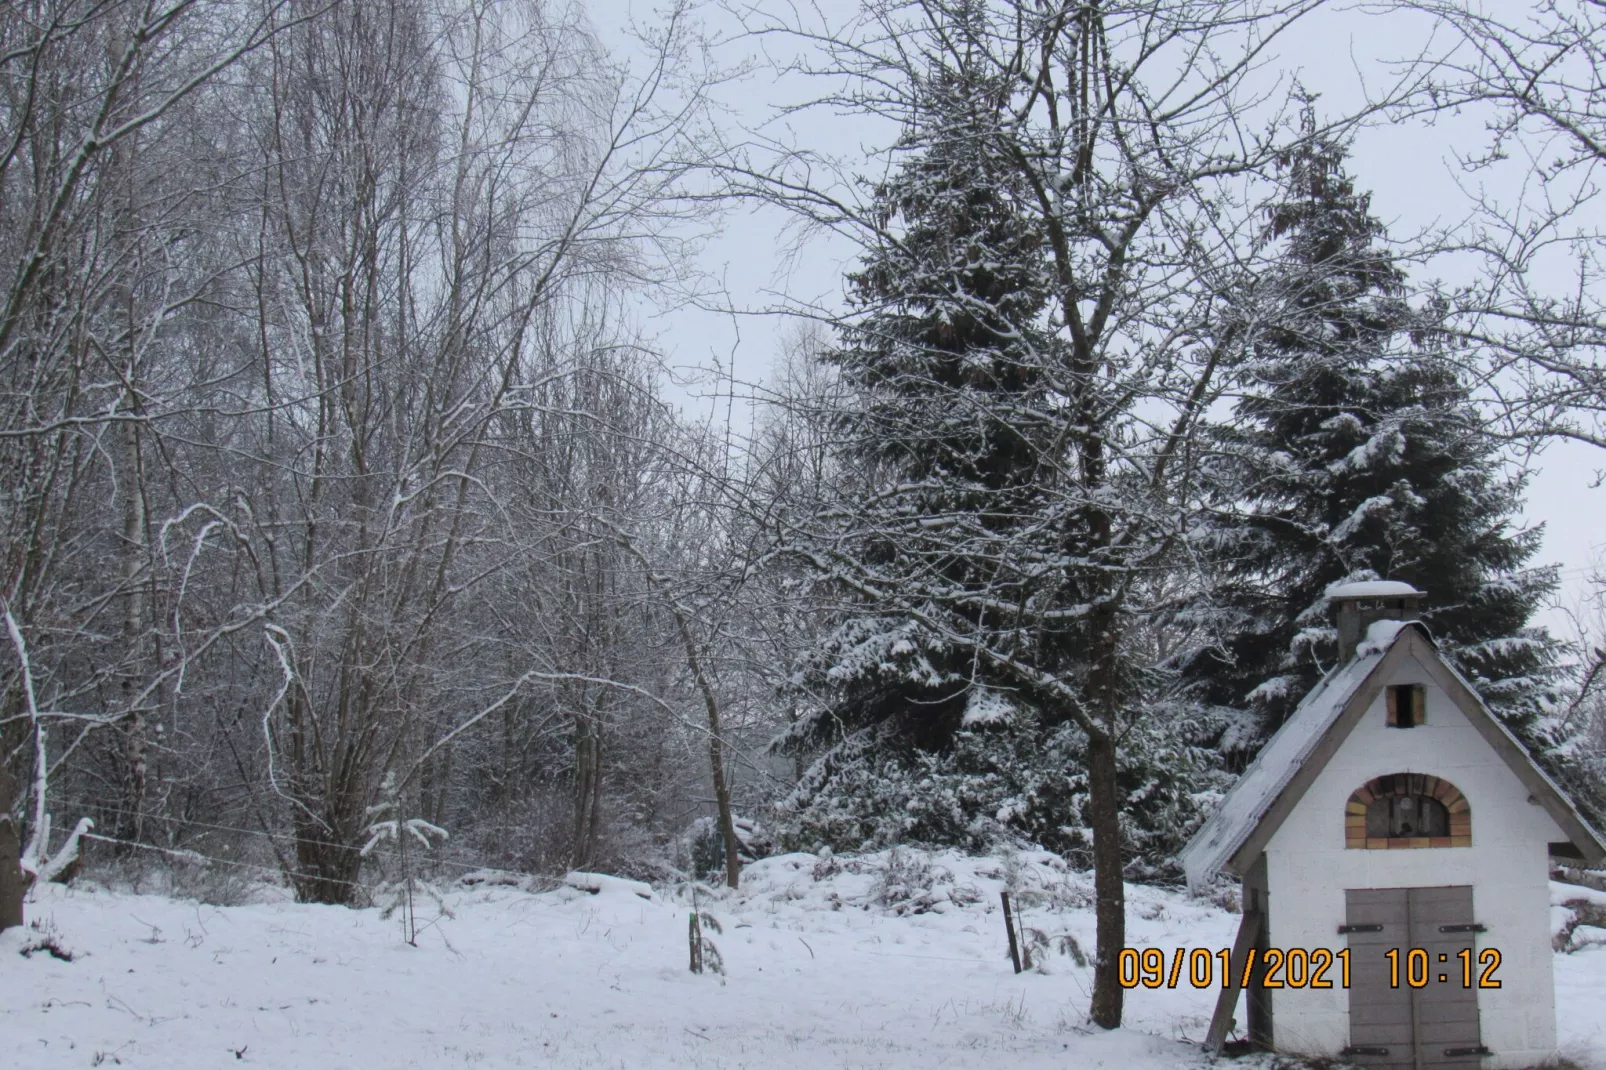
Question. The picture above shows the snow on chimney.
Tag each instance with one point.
(1359, 604)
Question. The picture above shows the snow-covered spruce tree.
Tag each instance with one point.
(397, 897)
(951, 447)
(1356, 452)
(1022, 776)
(943, 442)
(1126, 171)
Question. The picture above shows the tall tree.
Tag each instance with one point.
(945, 439)
(1356, 452)
(98, 102)
(1116, 165)
(949, 444)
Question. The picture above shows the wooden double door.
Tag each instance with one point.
(1412, 1012)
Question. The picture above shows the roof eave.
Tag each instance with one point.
(1355, 706)
(1246, 847)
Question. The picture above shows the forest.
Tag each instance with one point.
(350, 499)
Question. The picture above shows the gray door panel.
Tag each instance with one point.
(1417, 1025)
(1379, 1016)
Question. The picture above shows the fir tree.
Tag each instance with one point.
(950, 442)
(1356, 452)
(943, 437)
(1005, 548)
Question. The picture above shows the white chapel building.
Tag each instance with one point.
(1396, 827)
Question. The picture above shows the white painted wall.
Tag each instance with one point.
(1308, 869)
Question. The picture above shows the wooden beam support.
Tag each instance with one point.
(1227, 1001)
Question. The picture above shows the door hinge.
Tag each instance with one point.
(1353, 1050)
(1360, 928)
(1451, 1053)
(1474, 927)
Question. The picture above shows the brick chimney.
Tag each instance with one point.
(1360, 604)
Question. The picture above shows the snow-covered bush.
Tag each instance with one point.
(700, 850)
(44, 938)
(1578, 917)
(907, 883)
(995, 784)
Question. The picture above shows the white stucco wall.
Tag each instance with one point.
(1308, 869)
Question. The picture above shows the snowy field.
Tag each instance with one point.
(851, 963)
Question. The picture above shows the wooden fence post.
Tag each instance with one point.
(1009, 927)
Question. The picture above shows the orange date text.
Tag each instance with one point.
(1275, 967)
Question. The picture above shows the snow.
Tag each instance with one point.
(1235, 820)
(1580, 994)
(1346, 529)
(1373, 589)
(602, 883)
(1589, 936)
(1380, 635)
(1562, 893)
(986, 706)
(1577, 917)
(893, 960)
(67, 854)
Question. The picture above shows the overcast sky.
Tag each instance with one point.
(1341, 52)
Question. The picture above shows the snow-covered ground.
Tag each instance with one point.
(878, 961)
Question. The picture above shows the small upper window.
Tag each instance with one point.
(1407, 705)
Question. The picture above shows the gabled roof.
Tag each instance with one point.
(1275, 782)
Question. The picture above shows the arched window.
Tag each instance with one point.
(1407, 810)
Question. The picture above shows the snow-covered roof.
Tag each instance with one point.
(1373, 589)
(1246, 804)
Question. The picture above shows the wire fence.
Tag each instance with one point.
(193, 857)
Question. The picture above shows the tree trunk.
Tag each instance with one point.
(716, 754)
(594, 829)
(1104, 805)
(135, 766)
(134, 763)
(11, 882)
(1104, 791)
(587, 790)
(434, 785)
(327, 868)
(727, 821)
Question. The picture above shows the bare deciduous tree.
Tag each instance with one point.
(264, 343)
(1533, 313)
(96, 98)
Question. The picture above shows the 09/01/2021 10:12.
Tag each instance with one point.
(1299, 968)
